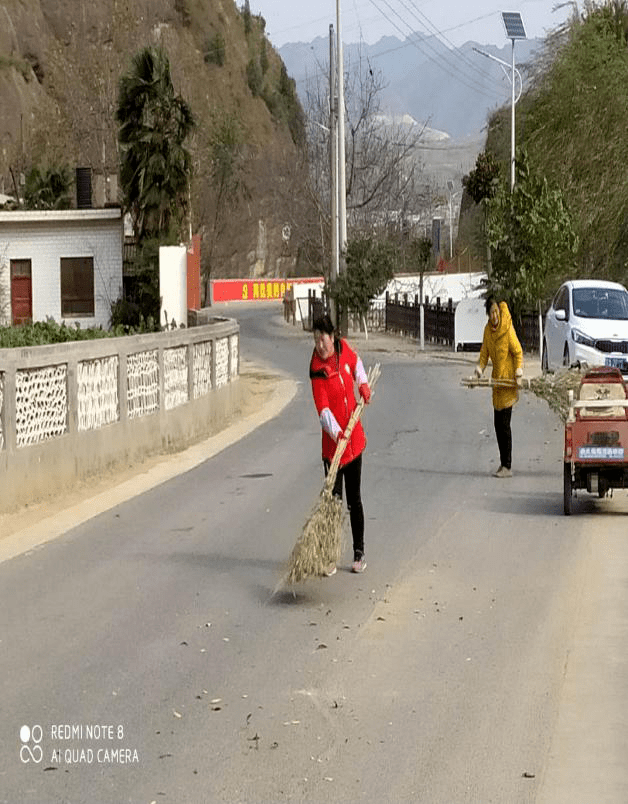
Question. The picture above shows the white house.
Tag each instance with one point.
(62, 264)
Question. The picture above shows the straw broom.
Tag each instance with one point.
(320, 543)
(553, 388)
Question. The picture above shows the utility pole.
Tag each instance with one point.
(342, 190)
(333, 167)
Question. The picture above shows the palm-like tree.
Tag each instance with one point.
(155, 165)
(48, 188)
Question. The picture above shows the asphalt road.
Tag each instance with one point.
(480, 658)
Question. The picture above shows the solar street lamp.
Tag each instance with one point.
(514, 30)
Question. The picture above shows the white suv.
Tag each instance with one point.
(587, 324)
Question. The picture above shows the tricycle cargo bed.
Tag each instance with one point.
(596, 436)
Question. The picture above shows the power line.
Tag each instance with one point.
(438, 58)
(453, 48)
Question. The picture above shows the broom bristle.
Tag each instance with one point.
(320, 543)
(554, 389)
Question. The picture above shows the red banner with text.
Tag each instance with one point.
(225, 290)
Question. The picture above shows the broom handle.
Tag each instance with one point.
(372, 377)
(490, 382)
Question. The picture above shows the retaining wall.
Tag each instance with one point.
(72, 410)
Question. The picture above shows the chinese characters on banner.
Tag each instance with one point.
(264, 290)
(225, 290)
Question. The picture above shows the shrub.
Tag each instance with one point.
(215, 50)
(39, 333)
(254, 77)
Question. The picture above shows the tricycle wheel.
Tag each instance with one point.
(567, 490)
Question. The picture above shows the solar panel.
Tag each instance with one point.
(513, 25)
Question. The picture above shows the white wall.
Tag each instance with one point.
(5, 288)
(45, 240)
(173, 278)
(301, 291)
(435, 285)
(438, 285)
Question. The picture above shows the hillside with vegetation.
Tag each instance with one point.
(572, 162)
(61, 63)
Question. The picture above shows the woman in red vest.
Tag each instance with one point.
(334, 368)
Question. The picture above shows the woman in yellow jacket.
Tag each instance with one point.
(501, 344)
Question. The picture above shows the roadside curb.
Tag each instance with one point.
(50, 528)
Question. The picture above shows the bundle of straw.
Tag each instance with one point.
(553, 388)
(320, 543)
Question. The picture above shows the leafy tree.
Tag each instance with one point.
(370, 265)
(578, 131)
(481, 184)
(263, 56)
(573, 122)
(155, 164)
(283, 103)
(531, 234)
(48, 188)
(246, 16)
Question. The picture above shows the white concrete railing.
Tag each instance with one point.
(71, 410)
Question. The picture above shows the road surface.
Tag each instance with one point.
(480, 658)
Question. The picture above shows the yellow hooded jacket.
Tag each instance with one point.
(506, 354)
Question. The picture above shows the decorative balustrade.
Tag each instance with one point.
(138, 393)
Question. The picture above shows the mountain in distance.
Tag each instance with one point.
(452, 90)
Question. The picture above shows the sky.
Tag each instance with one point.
(454, 21)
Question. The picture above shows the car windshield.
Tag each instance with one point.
(600, 303)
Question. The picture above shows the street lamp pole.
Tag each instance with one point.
(514, 30)
(450, 187)
(514, 100)
(512, 121)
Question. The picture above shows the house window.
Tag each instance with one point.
(77, 286)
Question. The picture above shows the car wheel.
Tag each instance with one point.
(544, 359)
(567, 490)
(566, 360)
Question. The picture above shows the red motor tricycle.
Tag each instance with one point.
(596, 436)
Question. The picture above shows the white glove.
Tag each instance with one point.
(519, 377)
(478, 371)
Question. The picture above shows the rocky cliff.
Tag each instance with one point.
(60, 65)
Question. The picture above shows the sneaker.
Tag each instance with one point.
(359, 565)
(331, 570)
(502, 472)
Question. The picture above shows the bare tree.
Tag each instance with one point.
(384, 173)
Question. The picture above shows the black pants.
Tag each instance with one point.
(352, 474)
(504, 436)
